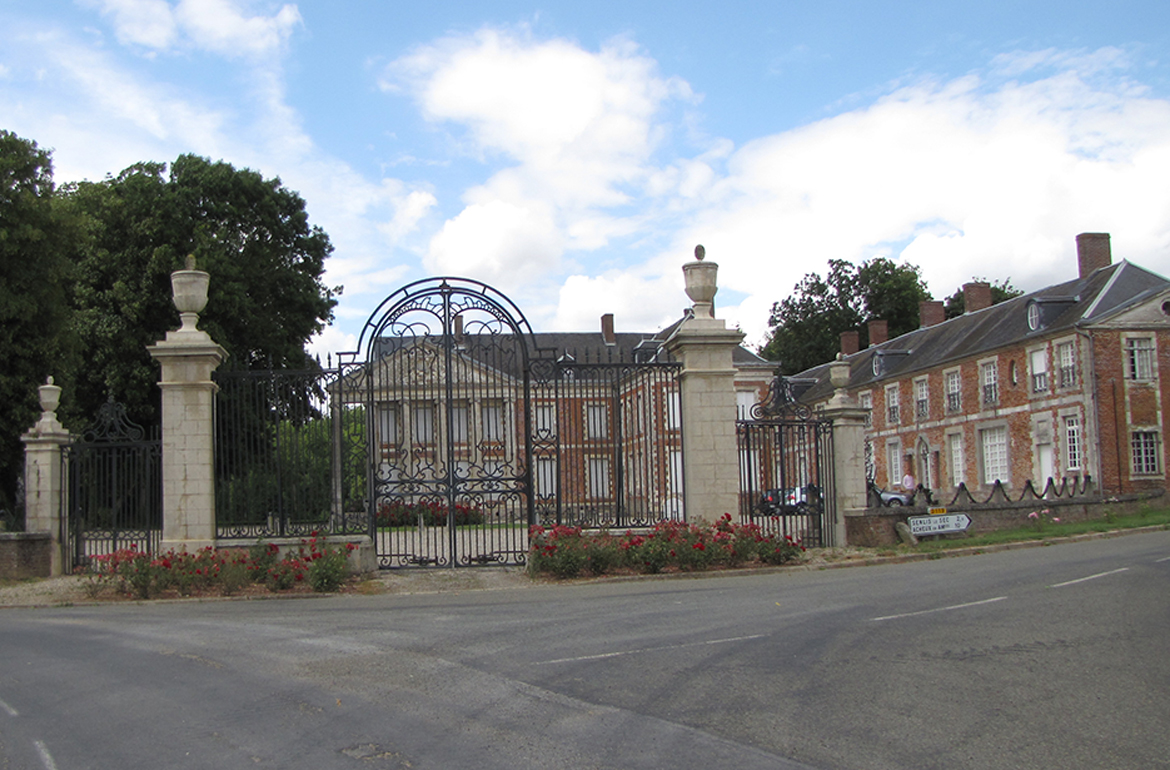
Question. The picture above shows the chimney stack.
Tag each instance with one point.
(850, 342)
(879, 332)
(1093, 253)
(607, 329)
(931, 312)
(976, 296)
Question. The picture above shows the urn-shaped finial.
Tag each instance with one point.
(700, 283)
(50, 397)
(189, 288)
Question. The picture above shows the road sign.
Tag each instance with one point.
(939, 525)
(937, 511)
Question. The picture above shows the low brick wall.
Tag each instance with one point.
(25, 554)
(876, 526)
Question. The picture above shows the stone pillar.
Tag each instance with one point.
(188, 357)
(44, 482)
(704, 345)
(848, 451)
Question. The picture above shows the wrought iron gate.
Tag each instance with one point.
(113, 494)
(786, 469)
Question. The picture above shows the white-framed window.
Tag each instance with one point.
(492, 416)
(893, 414)
(921, 399)
(673, 410)
(545, 417)
(422, 423)
(546, 477)
(866, 401)
(596, 421)
(994, 445)
(459, 423)
(388, 427)
(893, 462)
(1146, 449)
(1139, 358)
(955, 455)
(744, 401)
(599, 478)
(989, 379)
(1038, 359)
(1066, 356)
(1072, 442)
(954, 390)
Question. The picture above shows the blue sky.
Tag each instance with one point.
(572, 154)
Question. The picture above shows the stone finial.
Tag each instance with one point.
(50, 395)
(189, 289)
(700, 283)
(190, 263)
(700, 252)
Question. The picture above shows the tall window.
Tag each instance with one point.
(673, 410)
(1072, 443)
(492, 414)
(955, 450)
(995, 459)
(893, 415)
(744, 401)
(989, 377)
(388, 425)
(599, 478)
(422, 423)
(1039, 360)
(459, 423)
(893, 462)
(1145, 445)
(867, 405)
(546, 419)
(921, 399)
(546, 477)
(596, 421)
(954, 387)
(1066, 354)
(1139, 358)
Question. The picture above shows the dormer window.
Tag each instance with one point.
(1033, 315)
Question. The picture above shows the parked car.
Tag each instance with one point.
(890, 498)
(791, 501)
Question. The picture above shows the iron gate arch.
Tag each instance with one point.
(442, 374)
(113, 491)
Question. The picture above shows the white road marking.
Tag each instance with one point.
(1159, 561)
(940, 609)
(1090, 577)
(649, 649)
(46, 757)
(8, 709)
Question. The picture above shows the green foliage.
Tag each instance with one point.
(807, 325)
(253, 236)
(956, 304)
(35, 235)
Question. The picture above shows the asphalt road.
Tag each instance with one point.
(1041, 658)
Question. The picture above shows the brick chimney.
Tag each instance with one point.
(607, 329)
(1093, 252)
(850, 342)
(931, 312)
(879, 332)
(976, 296)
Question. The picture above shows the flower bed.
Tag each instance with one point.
(315, 564)
(566, 552)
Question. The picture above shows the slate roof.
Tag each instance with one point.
(1064, 307)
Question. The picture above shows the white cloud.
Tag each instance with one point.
(496, 242)
(217, 26)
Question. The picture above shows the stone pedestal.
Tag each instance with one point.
(44, 481)
(848, 420)
(704, 345)
(188, 357)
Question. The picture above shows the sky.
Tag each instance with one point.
(573, 154)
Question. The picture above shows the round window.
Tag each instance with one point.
(1034, 316)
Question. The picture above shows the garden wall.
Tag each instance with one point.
(25, 554)
(876, 526)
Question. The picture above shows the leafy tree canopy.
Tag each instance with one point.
(252, 234)
(34, 235)
(956, 304)
(806, 326)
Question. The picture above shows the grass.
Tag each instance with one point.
(1047, 531)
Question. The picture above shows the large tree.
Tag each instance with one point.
(34, 235)
(252, 234)
(806, 326)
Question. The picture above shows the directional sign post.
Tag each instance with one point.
(939, 525)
